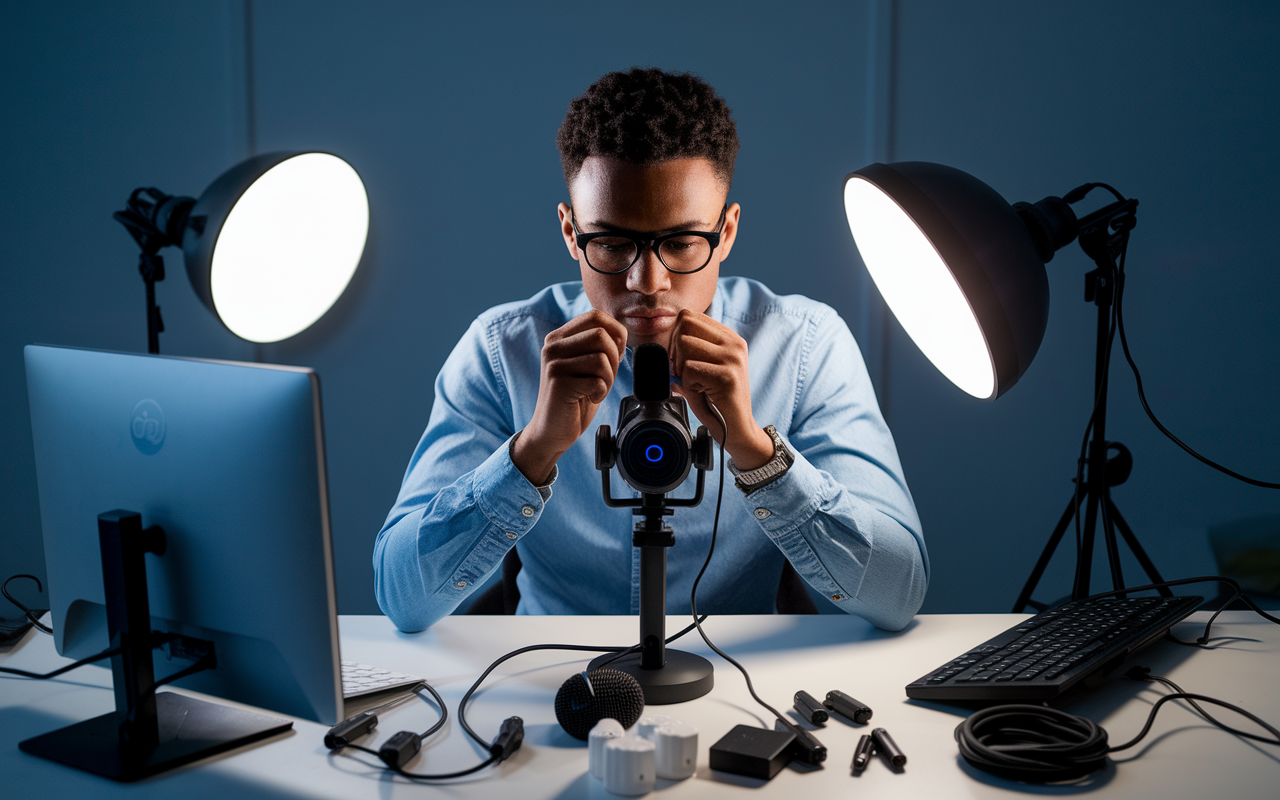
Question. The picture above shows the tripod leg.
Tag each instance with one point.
(1109, 536)
(1138, 552)
(1025, 596)
(1084, 561)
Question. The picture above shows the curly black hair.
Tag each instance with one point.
(647, 116)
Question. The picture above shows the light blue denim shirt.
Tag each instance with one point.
(842, 513)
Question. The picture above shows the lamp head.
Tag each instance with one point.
(269, 246)
(273, 242)
(962, 269)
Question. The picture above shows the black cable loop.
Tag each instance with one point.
(1038, 744)
(30, 615)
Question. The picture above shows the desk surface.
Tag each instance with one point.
(1181, 757)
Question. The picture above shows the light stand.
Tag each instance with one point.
(1104, 237)
(155, 220)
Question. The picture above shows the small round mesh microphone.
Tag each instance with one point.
(588, 697)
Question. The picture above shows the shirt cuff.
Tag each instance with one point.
(545, 489)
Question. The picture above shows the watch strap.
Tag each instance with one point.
(750, 480)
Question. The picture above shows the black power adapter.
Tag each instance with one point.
(753, 752)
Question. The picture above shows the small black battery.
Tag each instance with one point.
(808, 707)
(846, 706)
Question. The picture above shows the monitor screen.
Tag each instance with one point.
(228, 458)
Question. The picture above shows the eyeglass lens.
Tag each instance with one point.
(679, 254)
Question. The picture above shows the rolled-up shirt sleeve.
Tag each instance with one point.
(842, 514)
(463, 503)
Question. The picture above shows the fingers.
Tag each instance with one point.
(575, 340)
(698, 405)
(719, 381)
(698, 339)
(594, 320)
(580, 359)
(588, 375)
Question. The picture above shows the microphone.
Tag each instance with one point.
(588, 697)
(652, 380)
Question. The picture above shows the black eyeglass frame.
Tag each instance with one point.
(643, 241)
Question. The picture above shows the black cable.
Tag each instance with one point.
(1204, 699)
(1031, 743)
(693, 595)
(1142, 673)
(635, 648)
(38, 676)
(422, 776)
(1039, 744)
(1137, 377)
(621, 651)
(40, 626)
(462, 704)
(444, 711)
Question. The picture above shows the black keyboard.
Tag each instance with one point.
(1040, 658)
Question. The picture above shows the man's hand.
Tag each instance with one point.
(711, 362)
(579, 364)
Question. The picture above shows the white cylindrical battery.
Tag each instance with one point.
(675, 750)
(629, 767)
(603, 731)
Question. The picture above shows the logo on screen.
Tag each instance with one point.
(147, 427)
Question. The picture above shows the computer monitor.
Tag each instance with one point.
(228, 459)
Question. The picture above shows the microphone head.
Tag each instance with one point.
(601, 694)
(653, 373)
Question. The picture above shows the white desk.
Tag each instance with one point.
(1181, 758)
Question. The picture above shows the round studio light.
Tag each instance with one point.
(274, 241)
(957, 266)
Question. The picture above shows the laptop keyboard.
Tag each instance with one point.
(363, 679)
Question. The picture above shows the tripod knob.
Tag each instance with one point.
(1120, 465)
(606, 449)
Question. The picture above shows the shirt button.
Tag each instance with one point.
(837, 597)
(528, 511)
(460, 585)
(510, 535)
(761, 513)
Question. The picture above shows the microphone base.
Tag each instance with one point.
(684, 677)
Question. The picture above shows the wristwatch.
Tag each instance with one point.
(750, 480)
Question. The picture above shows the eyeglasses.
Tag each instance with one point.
(614, 252)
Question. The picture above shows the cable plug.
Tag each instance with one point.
(349, 730)
(1136, 673)
(805, 748)
(510, 737)
(400, 749)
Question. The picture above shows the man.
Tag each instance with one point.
(648, 159)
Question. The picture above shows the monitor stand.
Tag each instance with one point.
(149, 732)
(666, 676)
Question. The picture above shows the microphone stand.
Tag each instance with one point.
(667, 676)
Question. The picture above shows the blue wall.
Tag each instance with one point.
(450, 116)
